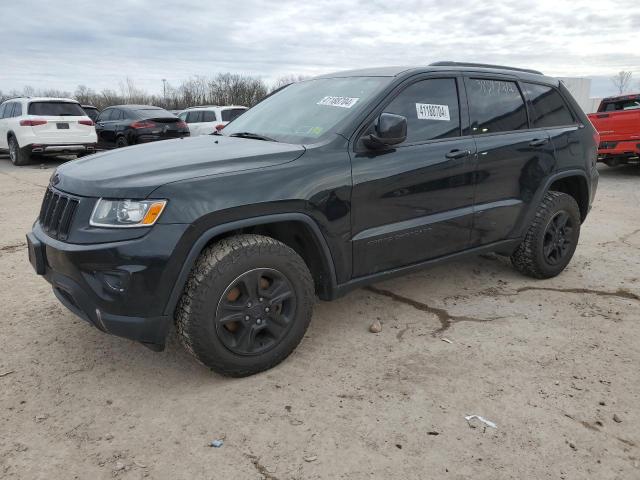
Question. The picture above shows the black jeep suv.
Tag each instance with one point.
(327, 185)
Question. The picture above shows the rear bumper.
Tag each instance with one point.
(121, 288)
(623, 148)
(55, 149)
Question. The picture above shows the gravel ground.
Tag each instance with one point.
(553, 363)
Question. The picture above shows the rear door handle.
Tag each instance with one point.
(538, 142)
(453, 154)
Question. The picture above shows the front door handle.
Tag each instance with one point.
(538, 142)
(453, 154)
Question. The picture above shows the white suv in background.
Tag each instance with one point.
(45, 126)
(208, 119)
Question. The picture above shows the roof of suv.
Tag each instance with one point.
(397, 71)
(205, 107)
(41, 99)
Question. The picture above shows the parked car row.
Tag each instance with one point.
(61, 126)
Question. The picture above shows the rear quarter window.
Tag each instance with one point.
(56, 109)
(232, 113)
(547, 107)
(495, 106)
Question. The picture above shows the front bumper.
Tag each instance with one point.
(122, 288)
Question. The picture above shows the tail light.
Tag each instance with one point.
(219, 127)
(86, 122)
(32, 123)
(182, 124)
(143, 124)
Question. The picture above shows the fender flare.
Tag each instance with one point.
(205, 238)
(537, 198)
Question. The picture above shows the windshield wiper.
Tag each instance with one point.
(252, 136)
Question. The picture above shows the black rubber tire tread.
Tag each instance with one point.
(528, 258)
(123, 139)
(23, 158)
(214, 270)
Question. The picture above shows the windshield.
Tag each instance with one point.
(305, 111)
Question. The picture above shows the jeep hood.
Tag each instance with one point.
(134, 172)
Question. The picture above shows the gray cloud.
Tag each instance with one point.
(65, 43)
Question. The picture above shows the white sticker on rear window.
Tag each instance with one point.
(343, 102)
(429, 111)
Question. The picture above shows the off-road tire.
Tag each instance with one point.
(214, 271)
(529, 258)
(18, 156)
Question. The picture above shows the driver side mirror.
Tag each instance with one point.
(390, 129)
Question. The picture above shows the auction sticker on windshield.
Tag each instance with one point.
(343, 102)
(429, 111)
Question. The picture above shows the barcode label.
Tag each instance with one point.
(342, 102)
(429, 111)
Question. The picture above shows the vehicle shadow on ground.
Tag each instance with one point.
(38, 162)
(136, 362)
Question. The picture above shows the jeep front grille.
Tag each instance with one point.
(56, 213)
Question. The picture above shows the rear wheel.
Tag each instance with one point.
(122, 142)
(246, 305)
(552, 238)
(18, 155)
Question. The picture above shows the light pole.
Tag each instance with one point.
(164, 89)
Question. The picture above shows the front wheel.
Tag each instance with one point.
(552, 238)
(246, 305)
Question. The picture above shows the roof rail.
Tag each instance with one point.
(482, 65)
(201, 106)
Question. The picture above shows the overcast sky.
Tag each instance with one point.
(60, 44)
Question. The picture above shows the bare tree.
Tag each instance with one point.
(622, 81)
(287, 80)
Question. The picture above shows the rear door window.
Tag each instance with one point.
(547, 107)
(431, 109)
(231, 114)
(208, 116)
(17, 109)
(56, 109)
(194, 117)
(495, 106)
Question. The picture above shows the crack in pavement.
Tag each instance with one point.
(13, 248)
(262, 470)
(17, 179)
(621, 293)
(623, 239)
(444, 317)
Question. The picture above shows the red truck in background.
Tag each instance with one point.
(618, 123)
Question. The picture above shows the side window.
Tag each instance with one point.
(2, 107)
(431, 109)
(194, 117)
(208, 116)
(17, 109)
(183, 116)
(495, 106)
(118, 115)
(548, 108)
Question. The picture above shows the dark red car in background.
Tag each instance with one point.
(618, 123)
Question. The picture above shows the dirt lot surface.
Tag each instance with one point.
(555, 364)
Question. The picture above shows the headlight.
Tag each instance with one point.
(126, 213)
